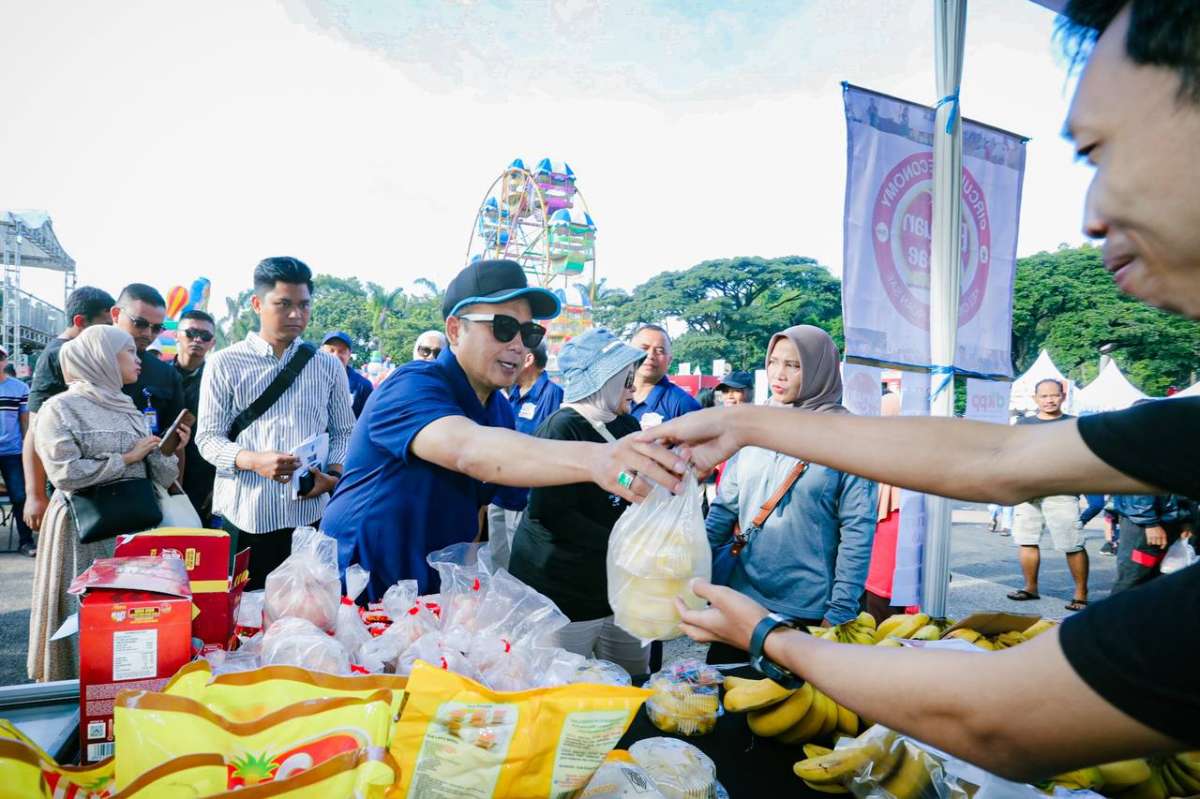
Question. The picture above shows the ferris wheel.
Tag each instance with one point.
(538, 218)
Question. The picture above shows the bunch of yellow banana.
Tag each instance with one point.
(915, 626)
(989, 642)
(1157, 778)
(793, 716)
(898, 768)
(860, 630)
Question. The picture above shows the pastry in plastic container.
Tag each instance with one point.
(604, 672)
(686, 698)
(679, 770)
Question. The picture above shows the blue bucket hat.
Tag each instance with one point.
(589, 360)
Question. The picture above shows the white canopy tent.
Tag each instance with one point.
(1021, 399)
(1110, 391)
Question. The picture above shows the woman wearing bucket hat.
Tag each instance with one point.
(559, 548)
(808, 559)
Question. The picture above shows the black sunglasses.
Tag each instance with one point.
(203, 335)
(429, 352)
(143, 324)
(505, 328)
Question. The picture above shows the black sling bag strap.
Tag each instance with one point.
(282, 382)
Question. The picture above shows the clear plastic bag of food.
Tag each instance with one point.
(351, 631)
(687, 698)
(250, 614)
(465, 579)
(306, 585)
(443, 649)
(655, 550)
(678, 769)
(879, 764)
(602, 672)
(293, 641)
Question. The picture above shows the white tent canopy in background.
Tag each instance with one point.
(1043, 368)
(1110, 391)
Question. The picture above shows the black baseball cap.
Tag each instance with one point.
(495, 282)
(738, 381)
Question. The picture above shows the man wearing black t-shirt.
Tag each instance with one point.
(1117, 680)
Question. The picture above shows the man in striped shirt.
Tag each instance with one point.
(252, 492)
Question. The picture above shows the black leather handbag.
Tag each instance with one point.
(107, 510)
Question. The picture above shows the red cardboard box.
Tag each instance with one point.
(205, 555)
(135, 632)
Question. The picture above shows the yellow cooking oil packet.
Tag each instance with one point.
(154, 728)
(60, 782)
(458, 738)
(184, 777)
(365, 774)
(249, 695)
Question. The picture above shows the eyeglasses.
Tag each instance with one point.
(202, 335)
(143, 324)
(429, 352)
(505, 328)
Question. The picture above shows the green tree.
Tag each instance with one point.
(342, 304)
(1067, 303)
(730, 306)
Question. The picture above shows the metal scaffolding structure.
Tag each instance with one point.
(27, 241)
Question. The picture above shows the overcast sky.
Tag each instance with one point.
(174, 139)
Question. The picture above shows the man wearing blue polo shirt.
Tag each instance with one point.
(655, 398)
(437, 438)
(339, 346)
(534, 397)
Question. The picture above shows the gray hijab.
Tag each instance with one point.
(820, 375)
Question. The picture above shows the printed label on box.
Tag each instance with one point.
(135, 655)
(99, 751)
(96, 729)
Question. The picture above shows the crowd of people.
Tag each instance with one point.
(472, 441)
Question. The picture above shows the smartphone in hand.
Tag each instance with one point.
(170, 439)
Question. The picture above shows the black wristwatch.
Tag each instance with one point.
(761, 662)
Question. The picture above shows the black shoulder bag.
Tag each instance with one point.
(282, 382)
(107, 510)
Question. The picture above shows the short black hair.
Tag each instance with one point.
(1045, 380)
(1162, 33)
(281, 269)
(88, 302)
(541, 356)
(707, 398)
(655, 328)
(200, 316)
(140, 292)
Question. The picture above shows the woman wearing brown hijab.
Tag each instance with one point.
(809, 559)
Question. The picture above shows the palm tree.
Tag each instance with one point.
(381, 303)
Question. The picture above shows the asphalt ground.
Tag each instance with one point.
(983, 569)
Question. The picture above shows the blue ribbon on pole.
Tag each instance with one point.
(947, 374)
(953, 100)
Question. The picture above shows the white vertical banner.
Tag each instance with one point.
(987, 400)
(862, 389)
(762, 387)
(888, 232)
(910, 538)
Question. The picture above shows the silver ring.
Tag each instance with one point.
(625, 479)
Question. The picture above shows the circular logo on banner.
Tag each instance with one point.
(862, 395)
(902, 227)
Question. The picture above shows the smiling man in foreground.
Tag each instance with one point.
(1118, 679)
(436, 443)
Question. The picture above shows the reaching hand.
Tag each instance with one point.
(730, 617)
(635, 462)
(1156, 537)
(711, 435)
